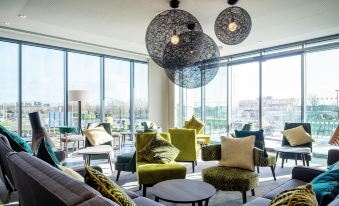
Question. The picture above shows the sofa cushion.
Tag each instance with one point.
(259, 138)
(326, 185)
(107, 187)
(260, 201)
(159, 150)
(237, 152)
(286, 186)
(150, 173)
(297, 136)
(302, 195)
(45, 153)
(17, 143)
(194, 123)
(97, 135)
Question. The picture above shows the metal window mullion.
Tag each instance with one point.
(20, 90)
(203, 103)
(303, 88)
(65, 88)
(131, 117)
(260, 94)
(227, 100)
(102, 89)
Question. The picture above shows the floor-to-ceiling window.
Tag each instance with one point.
(140, 94)
(244, 95)
(117, 93)
(43, 87)
(84, 74)
(9, 67)
(216, 105)
(192, 103)
(322, 91)
(281, 94)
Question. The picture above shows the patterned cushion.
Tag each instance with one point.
(159, 150)
(97, 135)
(230, 179)
(297, 136)
(16, 142)
(72, 173)
(46, 153)
(299, 196)
(194, 123)
(107, 187)
(262, 161)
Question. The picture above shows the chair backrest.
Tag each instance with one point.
(307, 127)
(186, 141)
(142, 139)
(6, 172)
(107, 127)
(333, 156)
(247, 127)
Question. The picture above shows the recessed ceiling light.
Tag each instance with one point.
(23, 16)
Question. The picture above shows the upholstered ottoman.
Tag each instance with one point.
(231, 179)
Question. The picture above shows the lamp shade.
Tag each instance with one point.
(78, 95)
(335, 137)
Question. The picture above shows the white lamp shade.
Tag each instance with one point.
(78, 95)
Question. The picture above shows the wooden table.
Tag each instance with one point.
(294, 150)
(96, 150)
(183, 191)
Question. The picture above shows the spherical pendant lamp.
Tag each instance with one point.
(233, 25)
(166, 27)
(192, 62)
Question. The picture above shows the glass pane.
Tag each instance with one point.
(216, 105)
(9, 58)
(140, 94)
(322, 87)
(192, 103)
(178, 115)
(281, 91)
(84, 74)
(42, 87)
(244, 94)
(117, 94)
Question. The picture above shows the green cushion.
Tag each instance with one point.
(230, 179)
(46, 153)
(107, 187)
(16, 142)
(159, 150)
(326, 186)
(151, 173)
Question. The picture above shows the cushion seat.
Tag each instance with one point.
(151, 173)
(230, 179)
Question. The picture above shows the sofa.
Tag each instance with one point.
(40, 184)
(300, 176)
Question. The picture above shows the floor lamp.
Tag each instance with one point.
(78, 96)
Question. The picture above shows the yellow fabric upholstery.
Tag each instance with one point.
(185, 140)
(201, 135)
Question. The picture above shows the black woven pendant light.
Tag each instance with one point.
(165, 28)
(233, 25)
(192, 62)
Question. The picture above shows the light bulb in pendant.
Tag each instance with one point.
(232, 26)
(175, 38)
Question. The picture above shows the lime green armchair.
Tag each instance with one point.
(201, 135)
(186, 141)
(148, 173)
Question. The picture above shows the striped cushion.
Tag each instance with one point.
(299, 196)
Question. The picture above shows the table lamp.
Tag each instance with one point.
(78, 96)
(334, 140)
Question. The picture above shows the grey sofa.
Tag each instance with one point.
(40, 184)
(300, 176)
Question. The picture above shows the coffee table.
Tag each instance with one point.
(96, 150)
(294, 150)
(183, 191)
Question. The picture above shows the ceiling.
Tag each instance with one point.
(122, 23)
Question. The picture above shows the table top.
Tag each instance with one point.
(73, 138)
(301, 150)
(127, 133)
(99, 149)
(183, 190)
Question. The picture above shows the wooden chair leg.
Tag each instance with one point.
(118, 175)
(244, 197)
(273, 172)
(253, 192)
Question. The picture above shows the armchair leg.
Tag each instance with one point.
(258, 169)
(118, 175)
(282, 163)
(144, 190)
(307, 163)
(273, 172)
(193, 165)
(244, 198)
(253, 192)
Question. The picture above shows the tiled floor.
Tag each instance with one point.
(129, 181)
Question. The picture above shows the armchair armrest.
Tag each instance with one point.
(211, 152)
(259, 157)
(306, 174)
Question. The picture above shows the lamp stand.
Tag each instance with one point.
(79, 118)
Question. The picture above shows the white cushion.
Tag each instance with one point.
(97, 135)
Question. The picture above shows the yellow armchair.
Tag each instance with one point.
(201, 135)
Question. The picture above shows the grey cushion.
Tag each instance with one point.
(259, 202)
(287, 185)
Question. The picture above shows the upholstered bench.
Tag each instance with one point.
(227, 178)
